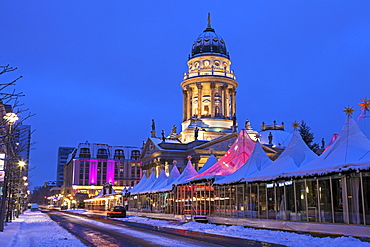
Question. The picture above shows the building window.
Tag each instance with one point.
(135, 154)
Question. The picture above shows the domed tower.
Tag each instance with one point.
(209, 89)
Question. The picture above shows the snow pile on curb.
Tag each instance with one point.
(277, 237)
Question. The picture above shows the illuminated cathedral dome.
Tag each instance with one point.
(209, 43)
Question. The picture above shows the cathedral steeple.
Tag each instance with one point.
(209, 87)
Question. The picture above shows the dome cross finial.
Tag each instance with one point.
(209, 20)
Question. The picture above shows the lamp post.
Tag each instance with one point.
(10, 119)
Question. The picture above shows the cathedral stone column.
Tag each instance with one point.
(200, 97)
(185, 105)
(189, 106)
(234, 102)
(212, 86)
(231, 97)
(224, 100)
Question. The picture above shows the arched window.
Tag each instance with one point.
(119, 154)
(85, 153)
(135, 154)
(102, 153)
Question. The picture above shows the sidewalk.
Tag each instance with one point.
(36, 229)
(10, 230)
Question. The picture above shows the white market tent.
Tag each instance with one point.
(188, 173)
(147, 185)
(174, 174)
(351, 150)
(256, 162)
(140, 184)
(210, 162)
(161, 179)
(295, 155)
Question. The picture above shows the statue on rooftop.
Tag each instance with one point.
(153, 125)
(247, 124)
(270, 138)
(196, 130)
(163, 137)
(174, 129)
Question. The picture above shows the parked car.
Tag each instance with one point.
(118, 211)
(34, 207)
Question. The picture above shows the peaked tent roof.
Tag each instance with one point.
(188, 173)
(351, 150)
(149, 182)
(296, 154)
(162, 178)
(140, 184)
(256, 162)
(210, 162)
(234, 158)
(174, 174)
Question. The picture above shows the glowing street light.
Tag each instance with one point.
(21, 163)
(11, 117)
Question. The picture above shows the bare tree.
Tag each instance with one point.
(12, 117)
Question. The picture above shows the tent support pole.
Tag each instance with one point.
(363, 199)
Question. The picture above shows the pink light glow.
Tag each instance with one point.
(333, 138)
(110, 172)
(93, 171)
(234, 158)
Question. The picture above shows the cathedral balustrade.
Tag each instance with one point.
(213, 73)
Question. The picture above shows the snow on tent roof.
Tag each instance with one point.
(162, 178)
(234, 158)
(188, 173)
(140, 184)
(174, 174)
(148, 184)
(351, 150)
(210, 162)
(296, 154)
(256, 162)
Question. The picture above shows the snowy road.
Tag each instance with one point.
(106, 232)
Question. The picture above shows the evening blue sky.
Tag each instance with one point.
(99, 71)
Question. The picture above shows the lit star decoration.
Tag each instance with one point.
(189, 157)
(349, 110)
(365, 104)
(295, 124)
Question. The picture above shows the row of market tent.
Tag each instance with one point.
(246, 161)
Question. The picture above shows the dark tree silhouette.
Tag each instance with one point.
(308, 136)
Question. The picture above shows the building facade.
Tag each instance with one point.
(209, 110)
(91, 166)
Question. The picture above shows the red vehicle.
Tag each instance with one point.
(118, 211)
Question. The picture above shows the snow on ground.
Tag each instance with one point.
(36, 229)
(271, 236)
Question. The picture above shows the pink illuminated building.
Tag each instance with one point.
(92, 165)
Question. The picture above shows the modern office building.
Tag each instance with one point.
(63, 153)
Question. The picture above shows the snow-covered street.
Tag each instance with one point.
(37, 229)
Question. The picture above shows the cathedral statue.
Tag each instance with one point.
(270, 138)
(196, 133)
(153, 125)
(234, 120)
(247, 125)
(174, 129)
(163, 137)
